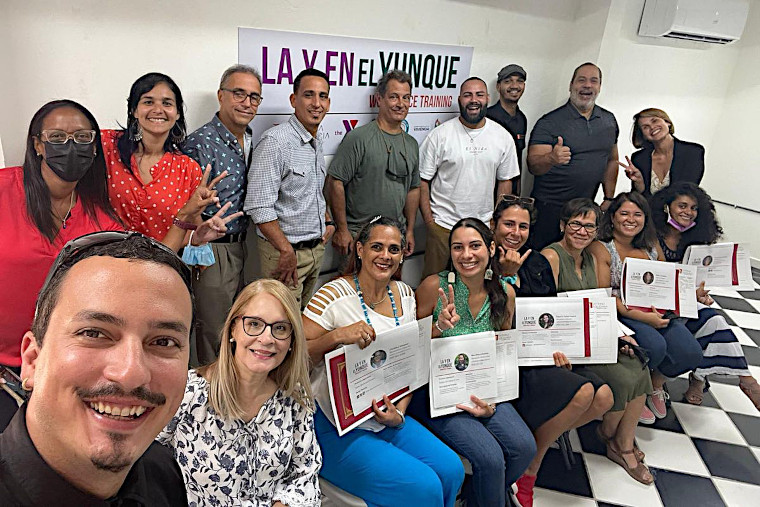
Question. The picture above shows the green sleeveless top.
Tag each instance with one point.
(567, 279)
(467, 323)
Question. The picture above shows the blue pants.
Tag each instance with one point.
(393, 467)
(672, 350)
(499, 448)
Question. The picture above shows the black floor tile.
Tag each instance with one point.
(754, 334)
(729, 461)
(755, 294)
(554, 475)
(749, 426)
(589, 441)
(752, 354)
(677, 489)
(725, 316)
(677, 387)
(607, 504)
(734, 304)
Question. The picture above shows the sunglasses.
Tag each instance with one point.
(509, 200)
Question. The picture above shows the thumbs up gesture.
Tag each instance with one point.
(560, 154)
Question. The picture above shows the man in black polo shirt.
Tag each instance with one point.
(571, 151)
(510, 83)
(106, 365)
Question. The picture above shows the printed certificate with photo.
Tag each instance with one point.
(623, 330)
(665, 285)
(605, 329)
(461, 366)
(721, 266)
(549, 325)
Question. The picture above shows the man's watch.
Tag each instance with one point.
(608, 198)
(329, 223)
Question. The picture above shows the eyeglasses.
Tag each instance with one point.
(62, 137)
(240, 96)
(82, 243)
(510, 199)
(576, 226)
(254, 326)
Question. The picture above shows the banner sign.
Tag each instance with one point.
(353, 65)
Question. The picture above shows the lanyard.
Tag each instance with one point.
(364, 306)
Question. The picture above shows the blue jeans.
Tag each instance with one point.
(499, 448)
(672, 350)
(406, 466)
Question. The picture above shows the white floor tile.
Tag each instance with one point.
(744, 319)
(730, 293)
(756, 450)
(737, 494)
(610, 483)
(754, 302)
(732, 399)
(708, 423)
(755, 370)
(742, 336)
(548, 498)
(670, 451)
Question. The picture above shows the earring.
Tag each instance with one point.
(290, 348)
(489, 274)
(401, 261)
(24, 385)
(135, 131)
(359, 257)
(232, 340)
(179, 135)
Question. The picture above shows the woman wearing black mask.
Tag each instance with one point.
(59, 194)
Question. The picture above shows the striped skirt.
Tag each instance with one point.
(722, 352)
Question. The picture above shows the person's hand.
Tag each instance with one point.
(703, 296)
(561, 361)
(560, 154)
(359, 333)
(216, 226)
(448, 317)
(388, 417)
(287, 268)
(511, 260)
(633, 173)
(655, 319)
(409, 250)
(329, 230)
(203, 197)
(625, 349)
(481, 408)
(605, 205)
(342, 241)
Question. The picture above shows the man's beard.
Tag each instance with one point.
(472, 119)
(117, 460)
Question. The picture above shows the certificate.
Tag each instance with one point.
(623, 330)
(549, 325)
(461, 366)
(665, 285)
(722, 265)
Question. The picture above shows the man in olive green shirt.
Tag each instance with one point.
(376, 169)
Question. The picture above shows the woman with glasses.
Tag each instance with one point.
(154, 188)
(59, 194)
(244, 431)
(575, 268)
(390, 459)
(553, 399)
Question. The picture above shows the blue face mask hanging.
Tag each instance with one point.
(198, 255)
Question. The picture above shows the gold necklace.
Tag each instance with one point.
(68, 213)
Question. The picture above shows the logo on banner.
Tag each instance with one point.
(405, 126)
(437, 122)
(349, 125)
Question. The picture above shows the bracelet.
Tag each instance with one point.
(438, 327)
(510, 279)
(187, 226)
(493, 407)
(608, 198)
(403, 420)
(328, 223)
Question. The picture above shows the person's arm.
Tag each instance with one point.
(510, 314)
(504, 187)
(542, 157)
(553, 259)
(425, 209)
(342, 239)
(609, 181)
(428, 168)
(410, 213)
(299, 485)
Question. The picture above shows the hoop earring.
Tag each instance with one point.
(24, 385)
(135, 131)
(179, 135)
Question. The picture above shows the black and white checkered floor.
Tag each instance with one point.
(706, 455)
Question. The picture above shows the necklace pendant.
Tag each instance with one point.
(64, 224)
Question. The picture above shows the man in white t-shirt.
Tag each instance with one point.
(461, 162)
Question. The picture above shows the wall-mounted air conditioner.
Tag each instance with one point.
(713, 21)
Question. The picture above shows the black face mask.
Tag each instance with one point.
(69, 161)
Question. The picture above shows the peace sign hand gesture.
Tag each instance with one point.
(204, 196)
(216, 226)
(448, 317)
(633, 173)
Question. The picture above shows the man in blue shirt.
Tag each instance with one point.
(225, 144)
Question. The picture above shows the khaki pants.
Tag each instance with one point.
(436, 249)
(309, 262)
(215, 289)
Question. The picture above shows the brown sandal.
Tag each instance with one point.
(640, 472)
(606, 440)
(695, 393)
(752, 390)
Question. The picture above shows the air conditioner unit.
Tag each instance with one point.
(712, 21)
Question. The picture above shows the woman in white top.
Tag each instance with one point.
(244, 433)
(391, 459)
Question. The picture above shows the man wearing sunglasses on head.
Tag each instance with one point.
(105, 366)
(225, 144)
(376, 168)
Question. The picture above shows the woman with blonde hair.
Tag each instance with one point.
(245, 429)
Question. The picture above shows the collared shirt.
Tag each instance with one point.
(214, 144)
(285, 181)
(27, 480)
(516, 125)
(590, 142)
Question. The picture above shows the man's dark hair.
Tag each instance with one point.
(473, 78)
(309, 72)
(579, 67)
(135, 247)
(395, 74)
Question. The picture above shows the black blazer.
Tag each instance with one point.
(688, 163)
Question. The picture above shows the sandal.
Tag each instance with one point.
(606, 440)
(752, 390)
(640, 472)
(694, 394)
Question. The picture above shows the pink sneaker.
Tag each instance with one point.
(646, 417)
(656, 402)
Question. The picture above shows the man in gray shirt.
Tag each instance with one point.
(285, 184)
(376, 168)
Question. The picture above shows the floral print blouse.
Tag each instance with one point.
(273, 457)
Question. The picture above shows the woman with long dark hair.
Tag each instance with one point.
(59, 194)
(493, 438)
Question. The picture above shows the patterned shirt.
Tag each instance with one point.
(285, 181)
(149, 208)
(214, 144)
(273, 457)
